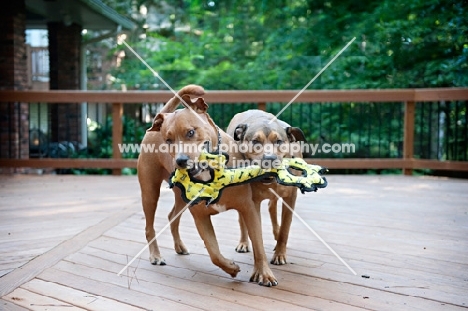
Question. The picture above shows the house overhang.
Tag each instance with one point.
(90, 14)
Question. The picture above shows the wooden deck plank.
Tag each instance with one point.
(176, 292)
(148, 300)
(128, 233)
(442, 268)
(37, 302)
(213, 289)
(39, 264)
(309, 273)
(193, 269)
(31, 205)
(408, 234)
(207, 296)
(435, 247)
(9, 306)
(32, 202)
(76, 297)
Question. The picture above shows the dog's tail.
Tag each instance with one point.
(173, 103)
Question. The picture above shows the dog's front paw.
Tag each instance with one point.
(242, 247)
(181, 249)
(157, 260)
(279, 259)
(232, 269)
(264, 277)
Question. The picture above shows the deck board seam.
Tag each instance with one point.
(46, 277)
(34, 267)
(66, 303)
(405, 295)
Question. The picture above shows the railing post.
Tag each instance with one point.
(261, 106)
(408, 139)
(117, 129)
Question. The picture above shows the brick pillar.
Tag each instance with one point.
(64, 57)
(14, 117)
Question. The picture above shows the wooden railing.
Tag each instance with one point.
(408, 96)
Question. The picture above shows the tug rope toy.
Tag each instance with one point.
(221, 177)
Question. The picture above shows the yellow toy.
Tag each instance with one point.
(194, 190)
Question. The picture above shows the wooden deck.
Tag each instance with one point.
(63, 239)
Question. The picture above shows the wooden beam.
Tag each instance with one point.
(117, 131)
(329, 163)
(409, 164)
(309, 96)
(69, 163)
(440, 165)
(51, 97)
(132, 97)
(360, 163)
(438, 94)
(408, 135)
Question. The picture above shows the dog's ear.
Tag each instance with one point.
(157, 122)
(239, 132)
(199, 104)
(295, 134)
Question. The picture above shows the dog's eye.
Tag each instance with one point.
(190, 133)
(256, 142)
(279, 142)
(168, 141)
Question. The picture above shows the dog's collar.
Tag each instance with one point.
(219, 139)
(209, 149)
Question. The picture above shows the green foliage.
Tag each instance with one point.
(283, 44)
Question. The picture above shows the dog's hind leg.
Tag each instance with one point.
(149, 207)
(243, 246)
(179, 204)
(150, 178)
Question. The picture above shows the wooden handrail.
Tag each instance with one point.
(118, 98)
(329, 163)
(317, 96)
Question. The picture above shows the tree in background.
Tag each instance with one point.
(282, 44)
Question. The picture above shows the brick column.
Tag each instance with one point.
(14, 117)
(64, 57)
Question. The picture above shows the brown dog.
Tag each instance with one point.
(185, 128)
(267, 141)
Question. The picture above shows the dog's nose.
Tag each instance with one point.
(182, 160)
(269, 161)
(270, 157)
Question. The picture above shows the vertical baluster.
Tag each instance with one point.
(117, 112)
(408, 140)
